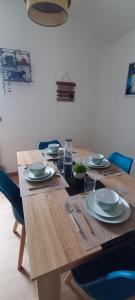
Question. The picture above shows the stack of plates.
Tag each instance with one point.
(104, 164)
(120, 213)
(48, 173)
(49, 151)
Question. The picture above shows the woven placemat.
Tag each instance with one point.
(28, 188)
(83, 229)
(109, 172)
(105, 232)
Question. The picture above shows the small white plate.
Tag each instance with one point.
(105, 163)
(48, 151)
(92, 204)
(26, 175)
(120, 219)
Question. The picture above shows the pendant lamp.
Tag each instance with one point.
(49, 13)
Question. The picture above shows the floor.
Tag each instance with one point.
(13, 284)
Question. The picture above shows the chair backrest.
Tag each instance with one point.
(122, 161)
(43, 145)
(12, 193)
(119, 285)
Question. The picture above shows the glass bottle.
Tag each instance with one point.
(68, 157)
(60, 163)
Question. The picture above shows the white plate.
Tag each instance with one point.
(48, 151)
(105, 163)
(120, 219)
(32, 176)
(50, 175)
(92, 204)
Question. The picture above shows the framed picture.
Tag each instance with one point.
(16, 65)
(130, 88)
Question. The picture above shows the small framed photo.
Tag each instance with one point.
(130, 88)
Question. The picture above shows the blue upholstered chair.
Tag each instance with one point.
(119, 285)
(12, 193)
(122, 161)
(43, 145)
(109, 276)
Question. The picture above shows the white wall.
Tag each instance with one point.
(115, 115)
(32, 113)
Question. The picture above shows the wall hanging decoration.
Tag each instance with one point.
(65, 89)
(130, 88)
(49, 13)
(15, 66)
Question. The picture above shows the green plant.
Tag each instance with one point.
(79, 168)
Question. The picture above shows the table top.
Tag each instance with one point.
(52, 240)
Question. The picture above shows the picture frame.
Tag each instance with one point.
(130, 86)
(16, 65)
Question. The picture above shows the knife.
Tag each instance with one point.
(42, 186)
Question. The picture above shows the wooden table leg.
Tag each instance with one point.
(49, 286)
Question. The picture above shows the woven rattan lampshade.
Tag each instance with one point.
(49, 13)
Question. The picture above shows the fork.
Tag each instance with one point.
(78, 210)
(43, 153)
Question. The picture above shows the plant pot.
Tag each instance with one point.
(79, 175)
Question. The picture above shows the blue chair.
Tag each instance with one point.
(12, 193)
(119, 285)
(109, 276)
(43, 145)
(121, 161)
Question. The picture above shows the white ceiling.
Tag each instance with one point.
(108, 19)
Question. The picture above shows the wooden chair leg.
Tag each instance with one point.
(75, 288)
(68, 278)
(15, 227)
(21, 251)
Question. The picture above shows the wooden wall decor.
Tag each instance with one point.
(65, 90)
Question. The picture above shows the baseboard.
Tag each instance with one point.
(10, 174)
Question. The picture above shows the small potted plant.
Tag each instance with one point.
(79, 170)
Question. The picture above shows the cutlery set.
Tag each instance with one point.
(69, 210)
(42, 186)
(76, 209)
(108, 172)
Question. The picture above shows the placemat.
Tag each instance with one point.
(28, 188)
(86, 235)
(105, 232)
(101, 173)
(109, 172)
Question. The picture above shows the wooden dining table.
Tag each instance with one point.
(54, 246)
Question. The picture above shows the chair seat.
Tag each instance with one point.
(99, 277)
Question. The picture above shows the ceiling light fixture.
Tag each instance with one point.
(49, 13)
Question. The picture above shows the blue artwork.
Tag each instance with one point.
(15, 66)
(130, 88)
